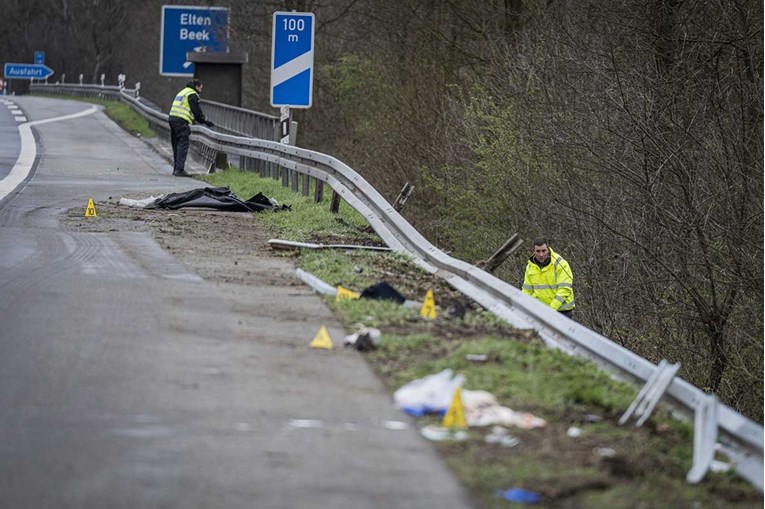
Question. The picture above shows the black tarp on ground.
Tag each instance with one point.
(219, 198)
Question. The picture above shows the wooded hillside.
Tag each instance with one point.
(629, 133)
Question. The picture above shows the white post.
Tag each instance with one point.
(80, 78)
(137, 88)
(103, 76)
(284, 124)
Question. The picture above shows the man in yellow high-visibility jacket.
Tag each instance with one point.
(549, 278)
(184, 111)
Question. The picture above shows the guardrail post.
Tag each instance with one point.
(403, 196)
(500, 255)
(318, 191)
(334, 204)
(295, 181)
(704, 438)
(651, 393)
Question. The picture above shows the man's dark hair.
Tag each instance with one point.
(194, 83)
(540, 241)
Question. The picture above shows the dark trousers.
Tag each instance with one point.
(568, 314)
(179, 136)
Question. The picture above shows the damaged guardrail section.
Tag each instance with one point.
(739, 438)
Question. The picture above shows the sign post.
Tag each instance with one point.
(284, 124)
(190, 29)
(292, 59)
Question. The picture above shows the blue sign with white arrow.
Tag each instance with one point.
(39, 57)
(190, 29)
(292, 59)
(27, 71)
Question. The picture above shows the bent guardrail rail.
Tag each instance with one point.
(740, 438)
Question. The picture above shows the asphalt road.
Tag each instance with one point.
(124, 378)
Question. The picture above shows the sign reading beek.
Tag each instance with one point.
(189, 29)
(292, 59)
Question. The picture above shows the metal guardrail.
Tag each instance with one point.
(739, 438)
(228, 119)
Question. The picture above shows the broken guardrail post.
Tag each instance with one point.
(704, 438)
(509, 247)
(651, 393)
(403, 196)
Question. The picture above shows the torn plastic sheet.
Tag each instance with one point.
(218, 198)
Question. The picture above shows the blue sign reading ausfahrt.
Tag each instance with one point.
(190, 29)
(292, 59)
(27, 71)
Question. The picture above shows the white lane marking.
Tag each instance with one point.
(395, 425)
(305, 423)
(28, 151)
(20, 119)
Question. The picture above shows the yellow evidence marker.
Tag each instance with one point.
(428, 309)
(90, 209)
(346, 294)
(322, 339)
(455, 415)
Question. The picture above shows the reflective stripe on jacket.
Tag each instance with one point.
(181, 106)
(552, 284)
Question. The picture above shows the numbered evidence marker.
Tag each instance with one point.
(90, 209)
(428, 309)
(322, 339)
(346, 294)
(455, 415)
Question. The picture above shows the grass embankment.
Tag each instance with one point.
(606, 466)
(121, 113)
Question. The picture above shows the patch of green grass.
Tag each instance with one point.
(650, 463)
(122, 114)
(307, 221)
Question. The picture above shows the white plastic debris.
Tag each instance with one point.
(482, 409)
(439, 434)
(604, 452)
(472, 400)
(501, 436)
(719, 467)
(140, 203)
(486, 416)
(433, 393)
(574, 432)
(365, 339)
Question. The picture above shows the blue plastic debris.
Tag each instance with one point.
(519, 495)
